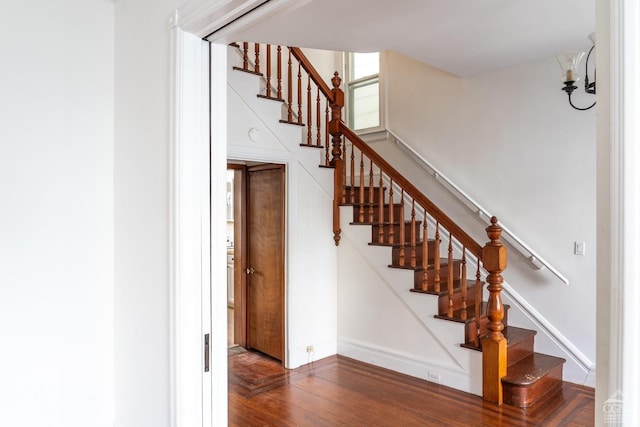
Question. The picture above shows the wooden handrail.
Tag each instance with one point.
(466, 240)
(310, 69)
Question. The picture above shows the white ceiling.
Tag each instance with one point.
(463, 37)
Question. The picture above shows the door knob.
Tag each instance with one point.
(250, 270)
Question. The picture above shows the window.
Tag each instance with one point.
(363, 90)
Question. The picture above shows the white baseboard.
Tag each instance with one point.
(408, 365)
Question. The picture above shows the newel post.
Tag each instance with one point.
(494, 345)
(337, 161)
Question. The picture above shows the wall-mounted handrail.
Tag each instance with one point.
(532, 256)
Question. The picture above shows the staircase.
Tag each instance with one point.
(421, 237)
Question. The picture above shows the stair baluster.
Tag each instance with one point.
(257, 61)
(436, 259)
(344, 172)
(402, 231)
(361, 190)
(463, 284)
(299, 94)
(309, 113)
(450, 276)
(478, 306)
(289, 90)
(268, 87)
(318, 125)
(371, 192)
(327, 162)
(352, 198)
(380, 210)
(391, 219)
(245, 56)
(279, 75)
(425, 253)
(412, 256)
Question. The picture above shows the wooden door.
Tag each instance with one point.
(265, 259)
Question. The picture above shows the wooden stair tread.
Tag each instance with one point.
(531, 369)
(248, 71)
(271, 98)
(292, 123)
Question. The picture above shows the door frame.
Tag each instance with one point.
(239, 253)
(617, 228)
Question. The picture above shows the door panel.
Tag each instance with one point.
(265, 259)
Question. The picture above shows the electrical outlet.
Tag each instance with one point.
(309, 349)
(434, 377)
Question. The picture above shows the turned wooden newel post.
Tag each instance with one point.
(494, 345)
(337, 161)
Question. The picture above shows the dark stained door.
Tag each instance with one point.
(265, 259)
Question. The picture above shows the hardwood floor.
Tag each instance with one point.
(338, 391)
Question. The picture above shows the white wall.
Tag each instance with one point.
(141, 168)
(510, 139)
(56, 220)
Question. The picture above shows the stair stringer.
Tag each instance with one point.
(443, 358)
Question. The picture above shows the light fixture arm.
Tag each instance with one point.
(578, 108)
(589, 87)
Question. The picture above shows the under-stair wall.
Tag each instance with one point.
(311, 260)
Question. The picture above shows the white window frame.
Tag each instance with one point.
(348, 83)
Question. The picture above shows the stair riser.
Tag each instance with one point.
(375, 235)
(395, 253)
(375, 213)
(418, 276)
(443, 300)
(519, 351)
(525, 396)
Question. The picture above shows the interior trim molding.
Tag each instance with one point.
(625, 205)
(189, 258)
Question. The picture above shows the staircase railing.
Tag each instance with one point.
(365, 180)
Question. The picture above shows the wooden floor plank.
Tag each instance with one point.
(338, 391)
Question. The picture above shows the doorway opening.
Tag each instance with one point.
(256, 258)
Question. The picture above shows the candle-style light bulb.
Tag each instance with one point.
(569, 62)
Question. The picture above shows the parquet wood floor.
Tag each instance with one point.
(338, 391)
